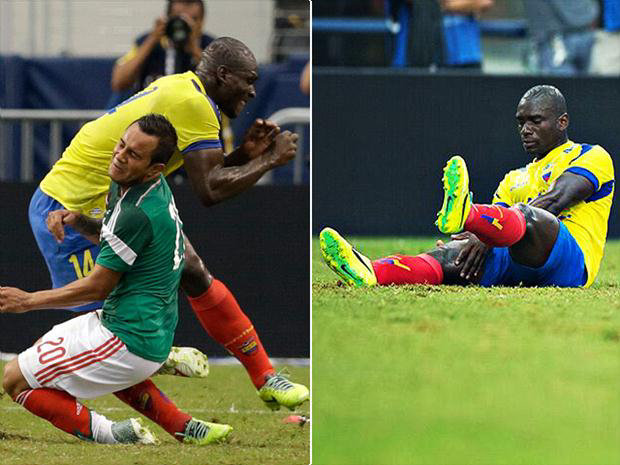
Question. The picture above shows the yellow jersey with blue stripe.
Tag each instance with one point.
(80, 180)
(587, 220)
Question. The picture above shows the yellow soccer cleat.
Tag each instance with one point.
(279, 391)
(202, 432)
(456, 197)
(350, 265)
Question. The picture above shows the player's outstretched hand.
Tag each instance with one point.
(13, 300)
(259, 137)
(285, 147)
(56, 221)
(471, 256)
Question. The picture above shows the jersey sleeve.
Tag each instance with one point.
(594, 163)
(502, 193)
(197, 124)
(124, 240)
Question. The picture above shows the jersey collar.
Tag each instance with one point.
(565, 147)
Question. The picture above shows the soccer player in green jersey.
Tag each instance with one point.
(137, 273)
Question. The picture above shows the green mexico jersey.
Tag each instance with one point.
(142, 237)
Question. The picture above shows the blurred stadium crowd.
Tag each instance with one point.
(562, 37)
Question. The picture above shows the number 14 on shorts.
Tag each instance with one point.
(87, 266)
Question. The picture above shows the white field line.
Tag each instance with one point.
(232, 410)
(224, 361)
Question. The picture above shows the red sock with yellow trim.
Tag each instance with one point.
(147, 399)
(403, 269)
(220, 315)
(495, 225)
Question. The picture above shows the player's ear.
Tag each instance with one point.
(153, 170)
(221, 73)
(563, 121)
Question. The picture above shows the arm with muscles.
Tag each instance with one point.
(568, 190)
(88, 227)
(96, 286)
(213, 180)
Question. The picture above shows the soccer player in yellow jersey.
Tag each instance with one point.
(193, 102)
(547, 224)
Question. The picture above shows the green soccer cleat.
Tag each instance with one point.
(187, 362)
(132, 431)
(201, 432)
(352, 267)
(456, 198)
(279, 391)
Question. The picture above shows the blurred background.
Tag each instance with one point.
(401, 85)
(64, 62)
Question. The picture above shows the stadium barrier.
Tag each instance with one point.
(382, 136)
(256, 243)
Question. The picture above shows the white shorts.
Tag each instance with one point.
(83, 358)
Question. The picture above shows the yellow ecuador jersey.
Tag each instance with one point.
(587, 220)
(80, 181)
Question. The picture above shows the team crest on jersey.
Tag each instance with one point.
(249, 347)
(546, 176)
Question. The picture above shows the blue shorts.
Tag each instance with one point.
(72, 259)
(565, 266)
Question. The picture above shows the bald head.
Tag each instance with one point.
(225, 51)
(542, 120)
(546, 96)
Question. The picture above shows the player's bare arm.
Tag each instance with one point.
(213, 182)
(568, 190)
(95, 286)
(88, 227)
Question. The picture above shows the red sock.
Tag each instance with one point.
(223, 319)
(59, 408)
(403, 269)
(495, 225)
(147, 399)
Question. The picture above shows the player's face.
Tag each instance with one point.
(238, 89)
(540, 129)
(131, 159)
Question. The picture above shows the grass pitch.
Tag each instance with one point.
(226, 396)
(465, 375)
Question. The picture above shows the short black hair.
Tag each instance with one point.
(200, 2)
(157, 125)
(550, 94)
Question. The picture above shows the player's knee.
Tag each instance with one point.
(195, 279)
(11, 378)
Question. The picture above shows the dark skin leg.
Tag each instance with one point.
(195, 279)
(532, 250)
(541, 231)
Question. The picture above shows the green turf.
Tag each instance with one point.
(227, 396)
(465, 375)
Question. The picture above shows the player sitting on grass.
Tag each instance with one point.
(137, 273)
(546, 227)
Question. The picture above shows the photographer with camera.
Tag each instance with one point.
(173, 46)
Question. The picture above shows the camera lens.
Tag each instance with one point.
(178, 31)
